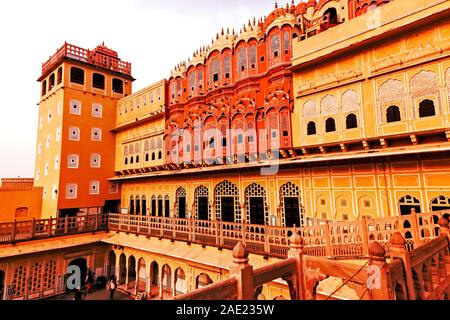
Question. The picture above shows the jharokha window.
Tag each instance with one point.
(253, 57)
(393, 114)
(242, 59)
(275, 46)
(192, 82)
(76, 75)
(227, 66)
(215, 70)
(426, 109)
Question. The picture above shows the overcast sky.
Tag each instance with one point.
(154, 35)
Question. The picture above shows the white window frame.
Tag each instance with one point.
(72, 110)
(99, 162)
(94, 183)
(73, 186)
(70, 134)
(93, 130)
(100, 113)
(77, 161)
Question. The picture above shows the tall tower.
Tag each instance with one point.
(75, 148)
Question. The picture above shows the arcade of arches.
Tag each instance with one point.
(162, 277)
(296, 196)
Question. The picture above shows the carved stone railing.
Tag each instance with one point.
(423, 273)
(36, 229)
(338, 239)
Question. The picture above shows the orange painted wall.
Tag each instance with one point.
(14, 197)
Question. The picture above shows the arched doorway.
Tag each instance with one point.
(202, 203)
(291, 205)
(256, 205)
(180, 281)
(181, 202)
(202, 280)
(81, 263)
(138, 206)
(144, 206)
(131, 271)
(154, 274)
(440, 203)
(227, 202)
(407, 203)
(123, 268)
(2, 284)
(167, 207)
(111, 264)
(167, 279)
(131, 207)
(160, 206)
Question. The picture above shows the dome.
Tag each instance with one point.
(311, 3)
(301, 8)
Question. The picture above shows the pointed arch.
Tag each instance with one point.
(228, 208)
(290, 198)
(202, 208)
(256, 204)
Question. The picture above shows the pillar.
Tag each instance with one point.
(398, 251)
(161, 278)
(296, 252)
(378, 280)
(243, 272)
(174, 283)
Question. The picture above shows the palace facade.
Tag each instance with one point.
(328, 119)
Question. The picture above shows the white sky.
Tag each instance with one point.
(154, 35)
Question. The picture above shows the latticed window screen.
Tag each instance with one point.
(49, 275)
(34, 284)
(275, 45)
(289, 190)
(227, 65)
(214, 69)
(242, 59)
(19, 281)
(180, 193)
(200, 77)
(441, 200)
(192, 82)
(256, 190)
(425, 84)
(227, 189)
(201, 191)
(253, 56)
(390, 92)
(286, 41)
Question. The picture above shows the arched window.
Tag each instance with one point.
(202, 203)
(351, 121)
(407, 203)
(51, 82)
(131, 208)
(228, 208)
(426, 109)
(77, 75)
(117, 85)
(147, 157)
(393, 114)
(312, 128)
(256, 205)
(181, 202)
(126, 161)
(330, 16)
(330, 125)
(98, 81)
(291, 205)
(59, 75)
